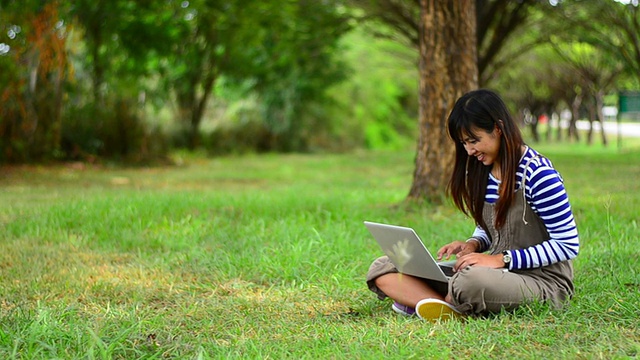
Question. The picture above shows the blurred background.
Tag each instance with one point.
(134, 80)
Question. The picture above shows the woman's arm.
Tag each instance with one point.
(547, 196)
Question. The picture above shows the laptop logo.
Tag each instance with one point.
(400, 253)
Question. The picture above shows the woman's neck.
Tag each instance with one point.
(496, 169)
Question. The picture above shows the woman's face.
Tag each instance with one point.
(482, 145)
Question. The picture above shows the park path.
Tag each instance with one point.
(611, 127)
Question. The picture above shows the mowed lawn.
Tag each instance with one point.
(264, 256)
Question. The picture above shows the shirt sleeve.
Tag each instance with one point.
(548, 198)
(482, 237)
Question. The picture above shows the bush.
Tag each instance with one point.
(239, 138)
(115, 131)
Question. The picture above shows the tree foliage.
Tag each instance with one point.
(34, 69)
(610, 26)
(294, 66)
(174, 52)
(116, 78)
(497, 23)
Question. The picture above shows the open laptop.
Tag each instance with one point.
(408, 253)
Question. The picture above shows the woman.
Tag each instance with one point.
(525, 235)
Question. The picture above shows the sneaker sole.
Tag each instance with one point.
(434, 309)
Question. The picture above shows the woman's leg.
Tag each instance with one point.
(406, 289)
(478, 289)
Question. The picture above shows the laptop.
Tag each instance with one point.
(408, 253)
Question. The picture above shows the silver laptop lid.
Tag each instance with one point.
(406, 251)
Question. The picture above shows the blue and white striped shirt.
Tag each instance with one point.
(545, 193)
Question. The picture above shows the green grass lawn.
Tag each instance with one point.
(265, 256)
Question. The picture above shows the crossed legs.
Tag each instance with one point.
(406, 289)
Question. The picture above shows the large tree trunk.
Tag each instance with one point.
(448, 69)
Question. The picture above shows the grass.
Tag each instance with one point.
(264, 257)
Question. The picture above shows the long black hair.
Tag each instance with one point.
(483, 110)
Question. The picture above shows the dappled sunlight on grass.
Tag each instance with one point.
(265, 256)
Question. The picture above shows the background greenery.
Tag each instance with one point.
(260, 251)
(131, 81)
(264, 256)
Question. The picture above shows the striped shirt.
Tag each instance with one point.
(545, 193)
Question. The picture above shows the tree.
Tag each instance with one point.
(500, 23)
(611, 26)
(99, 19)
(114, 54)
(448, 69)
(33, 71)
(445, 65)
(208, 41)
(541, 84)
(599, 41)
(293, 67)
(497, 23)
(282, 49)
(124, 53)
(566, 86)
(598, 71)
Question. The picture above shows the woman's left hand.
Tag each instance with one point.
(492, 261)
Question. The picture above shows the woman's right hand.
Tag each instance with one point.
(457, 248)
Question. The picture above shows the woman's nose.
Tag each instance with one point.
(470, 150)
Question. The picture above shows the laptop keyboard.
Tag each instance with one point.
(447, 270)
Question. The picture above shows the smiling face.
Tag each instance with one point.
(484, 146)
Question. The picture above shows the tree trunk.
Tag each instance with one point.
(199, 106)
(534, 128)
(549, 133)
(192, 98)
(97, 74)
(575, 115)
(592, 116)
(599, 104)
(448, 69)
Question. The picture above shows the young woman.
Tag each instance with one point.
(525, 235)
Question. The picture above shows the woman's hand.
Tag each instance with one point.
(492, 261)
(458, 248)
